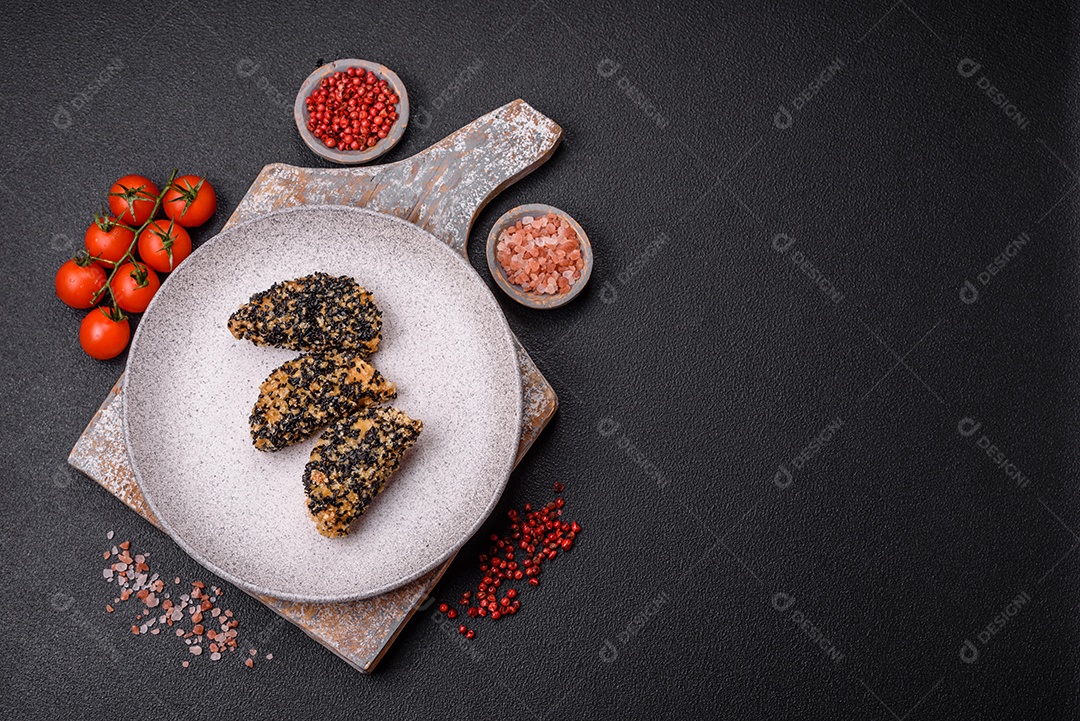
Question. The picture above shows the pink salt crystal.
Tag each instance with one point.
(540, 254)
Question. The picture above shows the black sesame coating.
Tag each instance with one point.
(351, 463)
(316, 312)
(304, 394)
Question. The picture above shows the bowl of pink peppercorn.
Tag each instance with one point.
(351, 111)
(539, 255)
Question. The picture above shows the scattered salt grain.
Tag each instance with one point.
(132, 574)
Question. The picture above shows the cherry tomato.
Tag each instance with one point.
(133, 286)
(163, 246)
(190, 200)
(132, 198)
(102, 336)
(107, 241)
(78, 281)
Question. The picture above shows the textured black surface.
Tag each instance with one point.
(699, 360)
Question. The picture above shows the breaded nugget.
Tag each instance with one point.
(313, 313)
(351, 462)
(304, 394)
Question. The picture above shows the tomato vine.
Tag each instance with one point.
(139, 275)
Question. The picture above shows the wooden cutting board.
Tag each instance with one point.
(440, 189)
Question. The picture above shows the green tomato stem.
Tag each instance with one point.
(129, 254)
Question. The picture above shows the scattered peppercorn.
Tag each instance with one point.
(541, 534)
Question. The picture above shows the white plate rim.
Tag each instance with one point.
(508, 464)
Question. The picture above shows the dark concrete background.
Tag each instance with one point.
(703, 358)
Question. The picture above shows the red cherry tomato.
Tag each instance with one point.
(107, 241)
(134, 286)
(102, 336)
(132, 198)
(163, 246)
(190, 200)
(77, 283)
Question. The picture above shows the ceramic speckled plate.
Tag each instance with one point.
(241, 512)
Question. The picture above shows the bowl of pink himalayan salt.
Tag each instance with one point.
(539, 255)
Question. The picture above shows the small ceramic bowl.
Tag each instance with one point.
(528, 298)
(351, 157)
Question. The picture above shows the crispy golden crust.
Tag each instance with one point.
(305, 393)
(351, 462)
(313, 313)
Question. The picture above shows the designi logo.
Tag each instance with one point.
(246, 67)
(967, 68)
(607, 427)
(968, 427)
(783, 120)
(61, 601)
(782, 601)
(969, 292)
(970, 651)
(782, 478)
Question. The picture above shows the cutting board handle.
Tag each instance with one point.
(441, 189)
